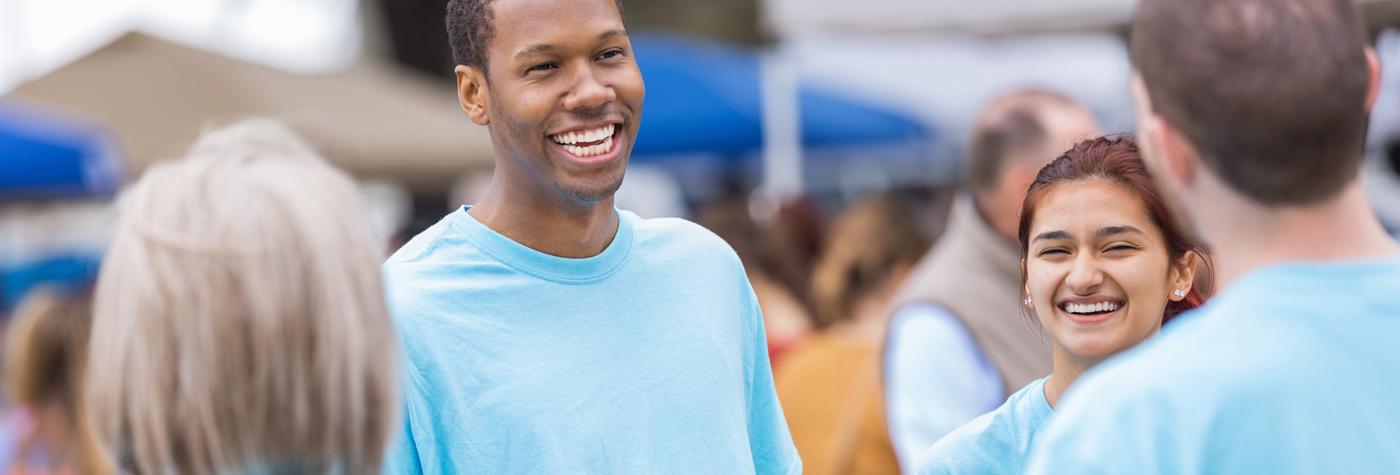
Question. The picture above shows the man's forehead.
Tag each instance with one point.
(520, 24)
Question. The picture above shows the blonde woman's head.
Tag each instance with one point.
(240, 322)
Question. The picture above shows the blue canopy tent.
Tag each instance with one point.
(46, 157)
(43, 155)
(705, 98)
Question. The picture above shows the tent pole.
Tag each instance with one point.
(782, 125)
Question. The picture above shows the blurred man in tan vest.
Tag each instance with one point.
(958, 342)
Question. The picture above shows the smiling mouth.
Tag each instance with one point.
(1091, 309)
(587, 143)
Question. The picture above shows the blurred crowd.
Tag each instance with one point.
(240, 322)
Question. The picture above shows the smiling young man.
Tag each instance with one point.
(545, 331)
(1253, 117)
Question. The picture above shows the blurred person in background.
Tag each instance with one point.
(45, 350)
(957, 345)
(1252, 115)
(546, 331)
(787, 319)
(1382, 181)
(1104, 266)
(830, 384)
(240, 323)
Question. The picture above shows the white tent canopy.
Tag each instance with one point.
(802, 17)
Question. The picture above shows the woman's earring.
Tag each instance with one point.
(1028, 301)
(1178, 293)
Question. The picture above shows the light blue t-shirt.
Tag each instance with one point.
(647, 358)
(1291, 370)
(998, 442)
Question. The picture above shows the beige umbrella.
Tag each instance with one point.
(373, 121)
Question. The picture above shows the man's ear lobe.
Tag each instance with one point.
(472, 94)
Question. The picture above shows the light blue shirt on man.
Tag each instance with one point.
(998, 442)
(647, 358)
(1290, 370)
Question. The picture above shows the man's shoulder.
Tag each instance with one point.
(666, 235)
(423, 246)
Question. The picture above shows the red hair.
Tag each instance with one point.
(1118, 160)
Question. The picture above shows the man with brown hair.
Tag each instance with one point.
(958, 345)
(1252, 114)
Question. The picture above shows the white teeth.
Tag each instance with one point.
(586, 136)
(1091, 308)
(591, 150)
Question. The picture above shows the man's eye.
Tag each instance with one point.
(542, 67)
(609, 54)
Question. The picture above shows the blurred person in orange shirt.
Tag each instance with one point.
(830, 384)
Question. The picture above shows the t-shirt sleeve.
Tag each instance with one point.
(769, 438)
(402, 456)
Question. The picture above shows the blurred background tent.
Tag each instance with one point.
(706, 103)
(157, 95)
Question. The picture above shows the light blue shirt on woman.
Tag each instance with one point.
(1290, 370)
(647, 358)
(998, 442)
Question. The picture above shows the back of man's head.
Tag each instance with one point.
(1271, 93)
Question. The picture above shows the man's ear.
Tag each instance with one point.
(1373, 63)
(472, 94)
(1178, 156)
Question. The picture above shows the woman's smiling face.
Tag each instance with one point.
(1097, 268)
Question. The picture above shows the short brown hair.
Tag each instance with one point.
(1270, 92)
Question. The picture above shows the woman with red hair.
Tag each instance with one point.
(1103, 267)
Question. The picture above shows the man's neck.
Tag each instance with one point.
(1245, 236)
(564, 228)
(988, 209)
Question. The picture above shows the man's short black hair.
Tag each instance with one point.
(469, 28)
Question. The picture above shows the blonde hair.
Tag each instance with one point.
(240, 319)
(867, 244)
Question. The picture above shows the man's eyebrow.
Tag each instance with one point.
(546, 47)
(612, 33)
(535, 49)
(1122, 229)
(1051, 235)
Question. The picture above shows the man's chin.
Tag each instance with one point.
(594, 193)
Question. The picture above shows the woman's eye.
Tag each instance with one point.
(609, 54)
(542, 67)
(1121, 248)
(1053, 250)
